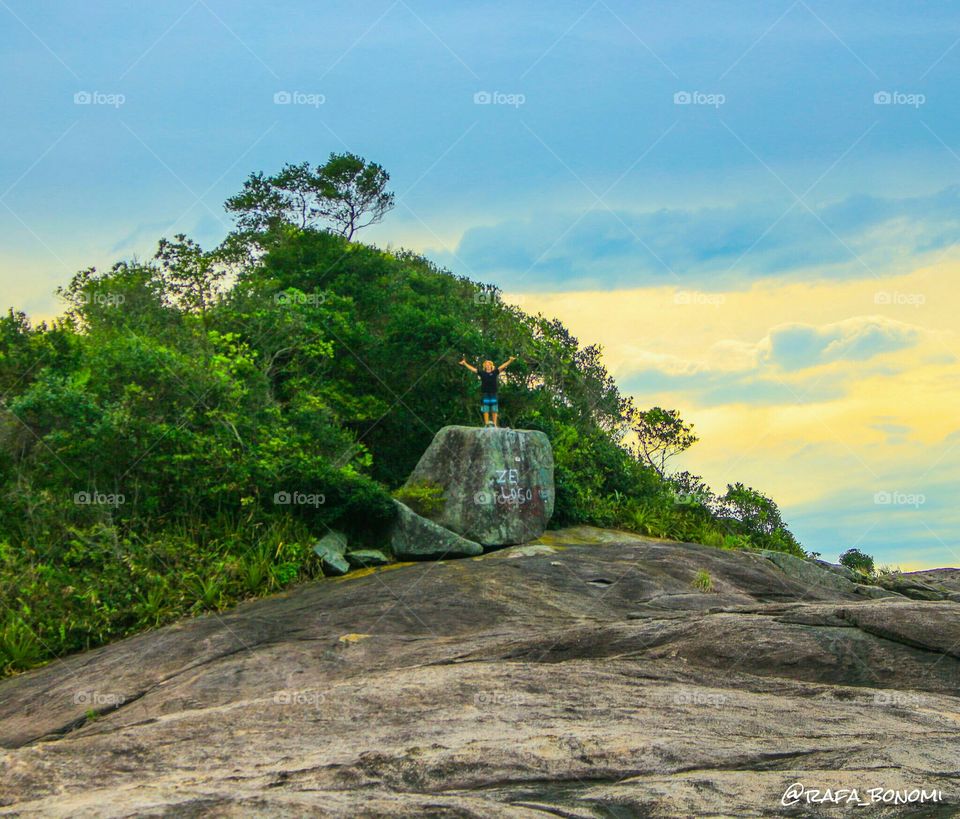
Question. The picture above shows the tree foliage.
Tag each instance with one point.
(347, 192)
(661, 435)
(179, 438)
(857, 561)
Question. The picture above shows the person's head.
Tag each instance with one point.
(488, 366)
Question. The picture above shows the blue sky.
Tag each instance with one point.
(811, 185)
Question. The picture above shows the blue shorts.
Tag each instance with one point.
(488, 403)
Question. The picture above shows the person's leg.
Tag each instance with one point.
(486, 407)
(495, 419)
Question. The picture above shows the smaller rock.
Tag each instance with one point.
(364, 558)
(810, 572)
(331, 562)
(914, 589)
(416, 538)
(336, 541)
(837, 568)
(330, 549)
(946, 579)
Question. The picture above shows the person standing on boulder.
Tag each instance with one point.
(488, 375)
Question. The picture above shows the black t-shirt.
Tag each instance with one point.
(488, 380)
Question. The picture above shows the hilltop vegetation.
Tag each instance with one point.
(179, 438)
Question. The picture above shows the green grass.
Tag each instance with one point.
(107, 587)
(19, 646)
(702, 581)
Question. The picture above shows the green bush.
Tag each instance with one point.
(858, 561)
(19, 646)
(425, 498)
(702, 581)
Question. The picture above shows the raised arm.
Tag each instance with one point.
(464, 362)
(507, 363)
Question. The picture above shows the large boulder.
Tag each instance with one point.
(580, 676)
(497, 483)
(416, 538)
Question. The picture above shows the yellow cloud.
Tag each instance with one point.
(798, 452)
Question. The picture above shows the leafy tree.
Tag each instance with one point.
(857, 561)
(353, 193)
(25, 350)
(661, 434)
(262, 205)
(691, 490)
(347, 192)
(129, 295)
(757, 516)
(191, 277)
